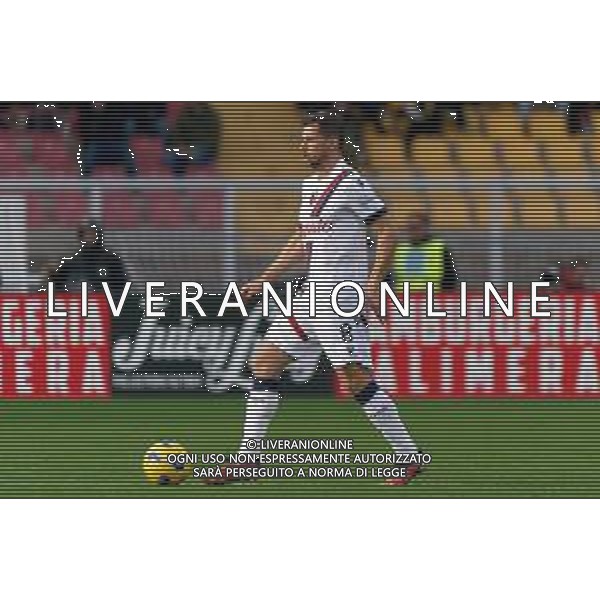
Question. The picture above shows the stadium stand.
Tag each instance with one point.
(260, 159)
(260, 139)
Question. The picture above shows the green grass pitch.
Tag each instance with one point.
(480, 449)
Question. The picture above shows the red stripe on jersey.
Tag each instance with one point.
(298, 329)
(320, 204)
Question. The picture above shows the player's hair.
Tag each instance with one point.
(422, 216)
(334, 123)
(87, 226)
(330, 123)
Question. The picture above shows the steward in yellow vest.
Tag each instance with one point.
(423, 258)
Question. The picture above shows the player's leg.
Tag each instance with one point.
(267, 364)
(262, 401)
(285, 341)
(347, 346)
(379, 407)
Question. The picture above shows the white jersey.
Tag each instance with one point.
(334, 215)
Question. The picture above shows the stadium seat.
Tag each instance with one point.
(533, 208)
(568, 159)
(123, 210)
(385, 155)
(173, 110)
(565, 157)
(64, 208)
(478, 156)
(149, 154)
(451, 203)
(547, 123)
(449, 207)
(474, 117)
(531, 204)
(164, 207)
(262, 213)
(391, 174)
(260, 139)
(50, 151)
(110, 172)
(158, 172)
(522, 157)
(581, 207)
(501, 122)
(206, 206)
(433, 158)
(594, 142)
(12, 154)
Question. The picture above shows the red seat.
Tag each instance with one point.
(148, 152)
(208, 200)
(56, 207)
(173, 110)
(160, 171)
(109, 172)
(165, 207)
(12, 158)
(51, 152)
(120, 209)
(71, 206)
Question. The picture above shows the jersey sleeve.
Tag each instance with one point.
(364, 201)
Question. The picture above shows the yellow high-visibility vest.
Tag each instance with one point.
(419, 264)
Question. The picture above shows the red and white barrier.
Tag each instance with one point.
(45, 357)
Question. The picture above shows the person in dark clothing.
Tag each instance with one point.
(44, 117)
(93, 263)
(371, 113)
(579, 117)
(424, 258)
(568, 276)
(104, 137)
(431, 120)
(195, 137)
(309, 108)
(148, 118)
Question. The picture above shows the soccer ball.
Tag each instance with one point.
(159, 470)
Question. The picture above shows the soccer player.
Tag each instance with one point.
(337, 210)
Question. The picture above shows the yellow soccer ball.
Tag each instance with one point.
(165, 464)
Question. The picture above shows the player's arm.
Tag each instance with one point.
(370, 208)
(289, 255)
(383, 232)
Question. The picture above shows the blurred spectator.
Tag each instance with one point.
(92, 263)
(423, 258)
(195, 136)
(315, 107)
(549, 276)
(571, 276)
(149, 118)
(579, 117)
(370, 113)
(351, 132)
(525, 110)
(44, 116)
(42, 271)
(14, 114)
(13, 124)
(104, 137)
(429, 118)
(568, 276)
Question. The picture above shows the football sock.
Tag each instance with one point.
(261, 405)
(383, 414)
